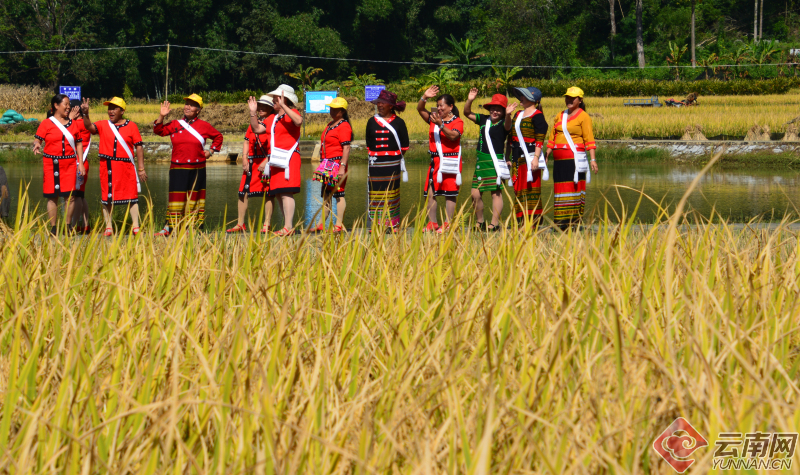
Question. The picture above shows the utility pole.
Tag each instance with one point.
(166, 80)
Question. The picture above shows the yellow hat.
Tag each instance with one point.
(195, 98)
(117, 101)
(338, 103)
(574, 91)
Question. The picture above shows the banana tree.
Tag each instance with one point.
(303, 76)
(504, 77)
(467, 52)
(675, 54)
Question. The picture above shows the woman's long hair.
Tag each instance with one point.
(583, 105)
(448, 99)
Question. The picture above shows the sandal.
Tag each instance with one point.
(319, 228)
(109, 232)
(239, 228)
(338, 229)
(135, 231)
(284, 232)
(163, 233)
(265, 229)
(480, 226)
(431, 227)
(444, 228)
(493, 228)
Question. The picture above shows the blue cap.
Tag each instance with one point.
(530, 93)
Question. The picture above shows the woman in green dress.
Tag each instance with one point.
(492, 167)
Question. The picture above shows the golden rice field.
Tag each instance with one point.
(717, 115)
(517, 352)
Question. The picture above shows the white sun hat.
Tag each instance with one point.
(265, 99)
(287, 92)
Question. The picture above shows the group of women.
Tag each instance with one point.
(64, 141)
(511, 147)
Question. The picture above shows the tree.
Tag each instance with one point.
(639, 34)
(45, 25)
(694, 58)
(303, 76)
(464, 51)
(613, 26)
(504, 77)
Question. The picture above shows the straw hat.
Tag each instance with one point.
(265, 99)
(286, 91)
(117, 101)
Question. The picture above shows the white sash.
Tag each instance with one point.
(278, 157)
(128, 152)
(66, 133)
(79, 178)
(196, 134)
(449, 165)
(500, 166)
(581, 164)
(528, 156)
(399, 146)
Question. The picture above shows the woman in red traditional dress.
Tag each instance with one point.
(255, 152)
(284, 162)
(119, 176)
(444, 173)
(332, 171)
(62, 147)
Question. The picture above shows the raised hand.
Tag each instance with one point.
(431, 92)
(473, 93)
(511, 108)
(74, 113)
(164, 109)
(85, 106)
(278, 101)
(252, 105)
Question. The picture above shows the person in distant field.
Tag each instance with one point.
(491, 163)
(255, 152)
(332, 171)
(526, 139)
(187, 168)
(120, 179)
(62, 147)
(81, 209)
(283, 166)
(387, 141)
(569, 145)
(444, 139)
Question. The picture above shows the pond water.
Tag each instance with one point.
(737, 195)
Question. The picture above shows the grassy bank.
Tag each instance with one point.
(717, 115)
(392, 354)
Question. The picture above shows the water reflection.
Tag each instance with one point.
(738, 195)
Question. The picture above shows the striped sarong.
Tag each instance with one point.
(570, 197)
(384, 190)
(187, 194)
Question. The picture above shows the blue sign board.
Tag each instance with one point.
(371, 92)
(317, 101)
(73, 92)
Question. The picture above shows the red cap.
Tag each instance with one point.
(498, 100)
